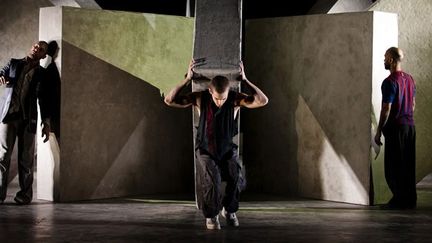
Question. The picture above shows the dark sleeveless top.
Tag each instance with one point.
(217, 126)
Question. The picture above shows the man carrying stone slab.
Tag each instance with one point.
(216, 152)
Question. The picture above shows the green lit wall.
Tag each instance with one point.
(118, 137)
(155, 48)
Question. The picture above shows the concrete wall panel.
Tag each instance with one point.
(118, 137)
(117, 134)
(314, 138)
(145, 45)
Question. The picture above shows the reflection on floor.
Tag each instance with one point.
(141, 219)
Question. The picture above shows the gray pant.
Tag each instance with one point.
(8, 133)
(210, 175)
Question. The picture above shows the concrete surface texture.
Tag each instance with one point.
(314, 135)
(415, 39)
(118, 137)
(153, 47)
(19, 27)
(218, 37)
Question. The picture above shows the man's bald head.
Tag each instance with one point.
(392, 58)
(395, 53)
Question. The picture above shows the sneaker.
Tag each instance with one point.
(213, 223)
(20, 200)
(231, 218)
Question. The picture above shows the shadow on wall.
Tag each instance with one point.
(287, 152)
(333, 112)
(53, 77)
(323, 172)
(269, 133)
(313, 138)
(118, 136)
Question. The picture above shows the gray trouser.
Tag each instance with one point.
(212, 172)
(8, 133)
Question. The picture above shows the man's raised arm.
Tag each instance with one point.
(256, 99)
(175, 99)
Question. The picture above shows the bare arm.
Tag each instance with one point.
(385, 112)
(174, 98)
(181, 101)
(256, 99)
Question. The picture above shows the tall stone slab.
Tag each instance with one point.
(218, 32)
(218, 38)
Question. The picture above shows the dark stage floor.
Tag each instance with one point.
(144, 220)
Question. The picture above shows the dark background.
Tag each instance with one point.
(251, 8)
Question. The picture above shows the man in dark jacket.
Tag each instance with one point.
(23, 85)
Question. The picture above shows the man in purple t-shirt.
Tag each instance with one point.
(397, 124)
